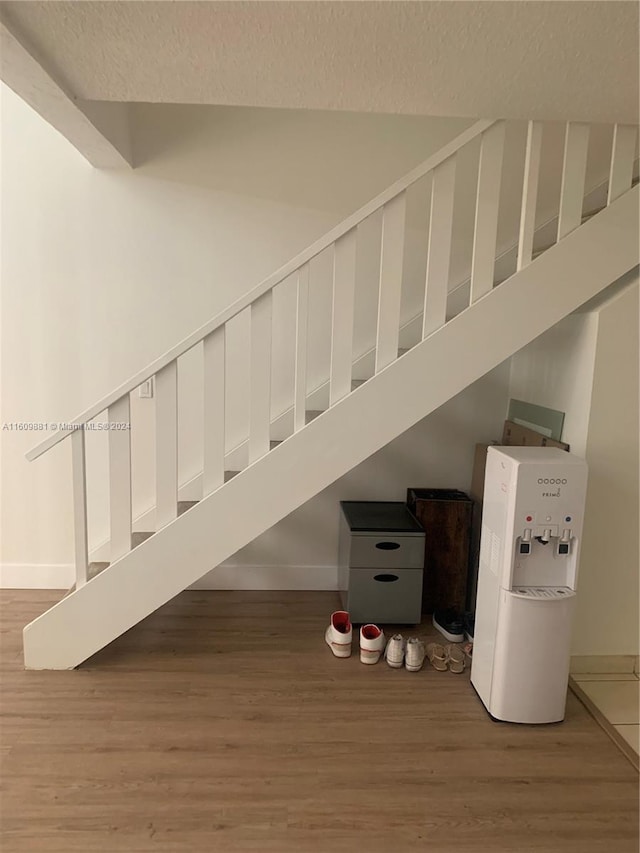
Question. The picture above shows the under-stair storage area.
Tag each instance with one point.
(319, 446)
(285, 385)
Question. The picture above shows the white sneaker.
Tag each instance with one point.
(338, 634)
(371, 643)
(414, 654)
(394, 652)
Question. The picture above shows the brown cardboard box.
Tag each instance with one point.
(519, 436)
(513, 435)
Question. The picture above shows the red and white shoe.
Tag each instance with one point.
(371, 643)
(339, 633)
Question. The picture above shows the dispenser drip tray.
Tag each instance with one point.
(543, 592)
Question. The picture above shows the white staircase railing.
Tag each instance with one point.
(343, 241)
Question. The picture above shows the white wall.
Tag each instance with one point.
(556, 370)
(103, 271)
(587, 366)
(607, 615)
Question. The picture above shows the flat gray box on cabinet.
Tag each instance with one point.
(380, 562)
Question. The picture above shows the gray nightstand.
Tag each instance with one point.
(380, 562)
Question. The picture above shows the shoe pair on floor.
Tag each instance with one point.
(453, 625)
(449, 657)
(410, 653)
(339, 637)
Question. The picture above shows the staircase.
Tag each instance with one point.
(590, 250)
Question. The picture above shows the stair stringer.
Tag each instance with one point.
(477, 340)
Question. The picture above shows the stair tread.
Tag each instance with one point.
(95, 568)
(183, 506)
(229, 475)
(591, 213)
(542, 249)
(139, 538)
(273, 444)
(356, 383)
(311, 414)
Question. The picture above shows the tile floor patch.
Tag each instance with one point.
(618, 700)
(632, 736)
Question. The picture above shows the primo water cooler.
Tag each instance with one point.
(529, 548)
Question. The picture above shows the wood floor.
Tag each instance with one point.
(223, 723)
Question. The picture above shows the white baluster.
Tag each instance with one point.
(529, 193)
(487, 204)
(300, 381)
(214, 410)
(439, 251)
(260, 400)
(120, 477)
(344, 280)
(166, 444)
(391, 262)
(622, 154)
(574, 170)
(78, 465)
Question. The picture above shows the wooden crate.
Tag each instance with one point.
(446, 516)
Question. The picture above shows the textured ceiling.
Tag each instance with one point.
(520, 59)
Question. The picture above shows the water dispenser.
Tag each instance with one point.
(533, 510)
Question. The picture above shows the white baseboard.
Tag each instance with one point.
(603, 664)
(270, 578)
(37, 575)
(62, 576)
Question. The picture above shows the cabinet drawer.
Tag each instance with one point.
(386, 550)
(388, 597)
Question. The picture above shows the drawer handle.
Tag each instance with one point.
(386, 578)
(388, 546)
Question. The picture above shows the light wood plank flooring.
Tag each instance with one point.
(223, 723)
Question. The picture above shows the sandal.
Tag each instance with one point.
(456, 658)
(437, 656)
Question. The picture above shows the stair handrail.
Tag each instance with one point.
(267, 284)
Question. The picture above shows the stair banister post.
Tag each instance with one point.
(344, 280)
(119, 414)
(79, 470)
(300, 376)
(574, 170)
(260, 391)
(214, 369)
(622, 154)
(529, 193)
(391, 264)
(487, 209)
(166, 444)
(439, 247)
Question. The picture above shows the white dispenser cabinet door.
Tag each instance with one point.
(531, 663)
